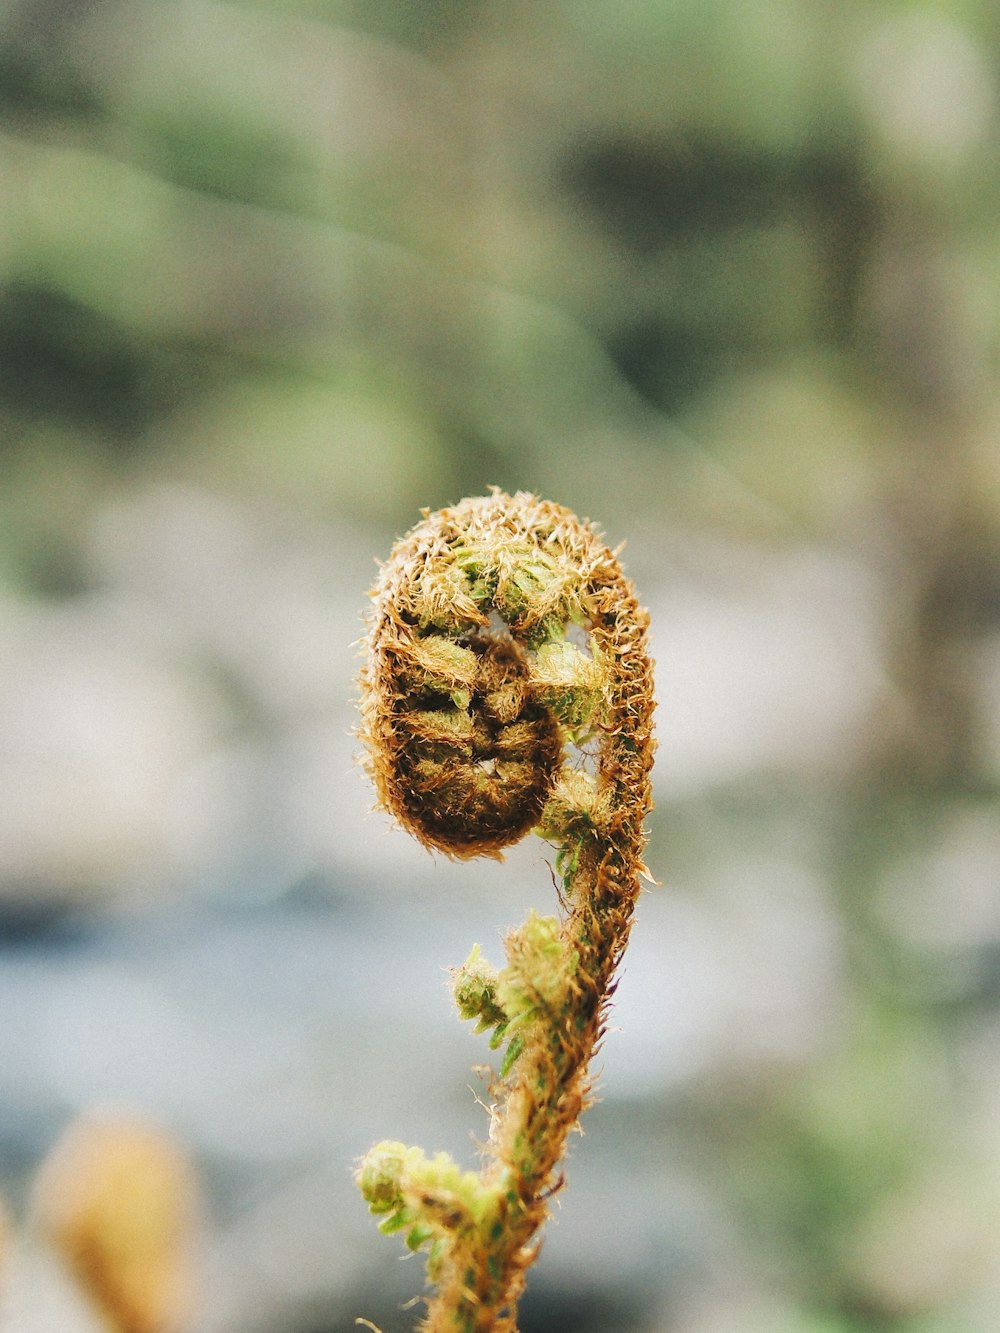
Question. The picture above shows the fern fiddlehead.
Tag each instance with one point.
(483, 719)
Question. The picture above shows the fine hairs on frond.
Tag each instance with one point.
(476, 701)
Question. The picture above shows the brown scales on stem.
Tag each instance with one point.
(472, 697)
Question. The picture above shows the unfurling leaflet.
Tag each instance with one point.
(507, 687)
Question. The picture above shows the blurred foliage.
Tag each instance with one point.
(728, 270)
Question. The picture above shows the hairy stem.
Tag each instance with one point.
(482, 718)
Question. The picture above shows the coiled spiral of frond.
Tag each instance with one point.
(507, 687)
(471, 686)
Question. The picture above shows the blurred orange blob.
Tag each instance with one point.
(116, 1199)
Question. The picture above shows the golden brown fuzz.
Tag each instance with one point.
(473, 776)
(478, 712)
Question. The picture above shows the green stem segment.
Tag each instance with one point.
(470, 730)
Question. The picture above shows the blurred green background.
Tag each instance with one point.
(724, 277)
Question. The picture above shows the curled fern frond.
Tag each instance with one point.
(477, 696)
